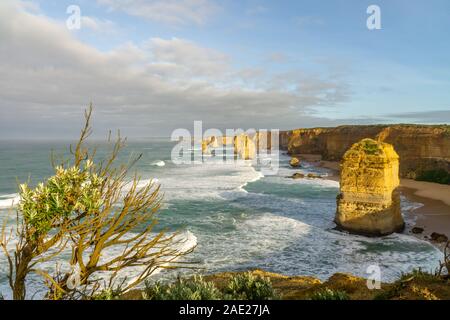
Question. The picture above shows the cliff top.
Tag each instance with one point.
(440, 127)
(371, 148)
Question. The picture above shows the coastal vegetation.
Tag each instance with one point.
(182, 289)
(241, 286)
(247, 286)
(437, 176)
(328, 294)
(370, 146)
(416, 285)
(87, 207)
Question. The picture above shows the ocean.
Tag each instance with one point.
(238, 218)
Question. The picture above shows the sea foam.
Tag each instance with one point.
(9, 200)
(159, 163)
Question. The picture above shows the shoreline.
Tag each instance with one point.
(432, 216)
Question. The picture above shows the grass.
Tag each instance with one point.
(418, 274)
(370, 146)
(416, 285)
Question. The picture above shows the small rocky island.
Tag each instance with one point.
(369, 202)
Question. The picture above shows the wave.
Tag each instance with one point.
(259, 176)
(289, 246)
(183, 243)
(408, 205)
(9, 201)
(212, 179)
(159, 163)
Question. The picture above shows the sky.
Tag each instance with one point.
(152, 66)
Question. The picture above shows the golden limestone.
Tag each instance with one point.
(369, 202)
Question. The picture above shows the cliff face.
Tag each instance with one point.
(420, 148)
(369, 202)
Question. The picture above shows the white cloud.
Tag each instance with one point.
(187, 58)
(47, 76)
(30, 6)
(98, 25)
(174, 12)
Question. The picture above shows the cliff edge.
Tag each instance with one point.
(424, 150)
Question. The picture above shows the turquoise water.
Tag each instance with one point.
(239, 218)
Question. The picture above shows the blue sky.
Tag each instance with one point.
(312, 62)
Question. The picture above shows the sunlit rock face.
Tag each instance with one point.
(369, 202)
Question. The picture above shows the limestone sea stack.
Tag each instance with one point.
(294, 162)
(369, 202)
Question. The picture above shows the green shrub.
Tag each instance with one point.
(190, 289)
(438, 176)
(244, 286)
(108, 294)
(247, 286)
(370, 146)
(328, 294)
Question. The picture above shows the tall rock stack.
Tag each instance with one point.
(369, 202)
(245, 147)
(209, 142)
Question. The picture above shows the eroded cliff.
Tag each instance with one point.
(421, 148)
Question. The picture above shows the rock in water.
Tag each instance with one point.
(437, 237)
(297, 175)
(417, 230)
(295, 162)
(369, 202)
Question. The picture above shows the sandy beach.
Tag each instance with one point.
(432, 216)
